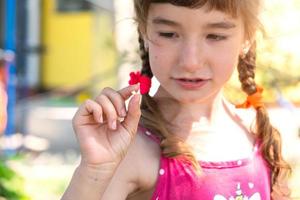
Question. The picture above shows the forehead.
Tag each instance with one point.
(185, 15)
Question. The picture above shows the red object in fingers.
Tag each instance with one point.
(145, 81)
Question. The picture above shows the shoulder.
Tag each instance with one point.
(138, 169)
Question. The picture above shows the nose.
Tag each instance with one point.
(191, 56)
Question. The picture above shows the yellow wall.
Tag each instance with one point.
(105, 59)
(67, 40)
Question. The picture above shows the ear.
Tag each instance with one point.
(143, 34)
(146, 45)
(146, 42)
(245, 47)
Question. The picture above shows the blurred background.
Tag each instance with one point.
(54, 54)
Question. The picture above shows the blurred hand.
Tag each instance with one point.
(102, 137)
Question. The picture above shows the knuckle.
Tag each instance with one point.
(87, 102)
(106, 89)
(101, 98)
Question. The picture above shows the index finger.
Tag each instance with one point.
(127, 91)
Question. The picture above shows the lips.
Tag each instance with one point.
(190, 80)
(191, 83)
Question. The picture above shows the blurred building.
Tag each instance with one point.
(66, 45)
(78, 43)
(62, 43)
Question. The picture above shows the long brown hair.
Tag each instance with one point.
(152, 117)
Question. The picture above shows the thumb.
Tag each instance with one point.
(133, 115)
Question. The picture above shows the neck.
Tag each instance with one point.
(194, 117)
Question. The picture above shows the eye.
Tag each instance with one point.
(167, 34)
(216, 37)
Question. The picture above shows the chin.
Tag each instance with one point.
(185, 99)
(181, 96)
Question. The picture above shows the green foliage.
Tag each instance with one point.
(11, 184)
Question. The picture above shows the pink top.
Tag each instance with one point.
(245, 179)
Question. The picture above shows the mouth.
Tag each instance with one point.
(191, 80)
(191, 83)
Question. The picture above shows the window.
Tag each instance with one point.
(72, 5)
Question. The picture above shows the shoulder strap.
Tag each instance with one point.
(149, 134)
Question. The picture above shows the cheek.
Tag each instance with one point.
(225, 65)
(155, 61)
(159, 57)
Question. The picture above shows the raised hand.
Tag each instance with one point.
(102, 137)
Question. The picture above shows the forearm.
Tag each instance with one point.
(89, 182)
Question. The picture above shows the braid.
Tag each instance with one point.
(246, 70)
(145, 58)
(270, 136)
(152, 119)
(150, 113)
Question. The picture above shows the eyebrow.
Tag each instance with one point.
(219, 25)
(163, 21)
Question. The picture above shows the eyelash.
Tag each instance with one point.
(216, 37)
(167, 34)
(213, 37)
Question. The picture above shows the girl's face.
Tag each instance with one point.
(192, 52)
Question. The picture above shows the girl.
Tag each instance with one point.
(187, 141)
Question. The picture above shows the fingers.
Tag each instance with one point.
(118, 98)
(113, 103)
(133, 116)
(127, 91)
(88, 108)
(109, 111)
(108, 106)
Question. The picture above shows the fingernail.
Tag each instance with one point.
(134, 92)
(101, 119)
(138, 98)
(114, 125)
